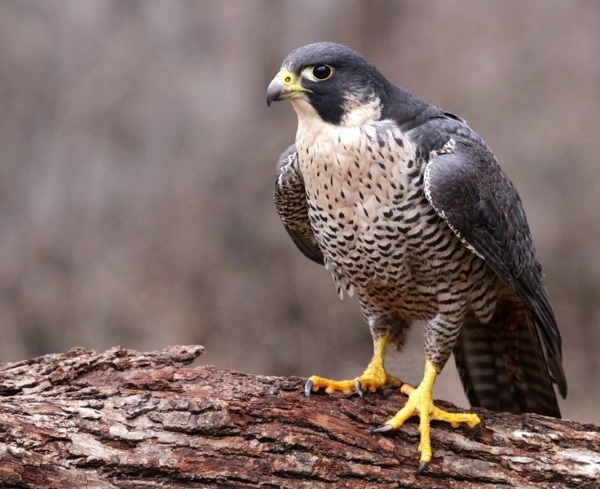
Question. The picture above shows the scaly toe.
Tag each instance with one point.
(455, 419)
(316, 383)
(371, 381)
(368, 383)
(406, 389)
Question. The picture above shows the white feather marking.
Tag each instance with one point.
(448, 148)
(357, 113)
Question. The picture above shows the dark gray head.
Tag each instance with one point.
(332, 78)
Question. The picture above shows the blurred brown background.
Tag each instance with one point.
(137, 157)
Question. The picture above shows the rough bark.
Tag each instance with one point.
(123, 419)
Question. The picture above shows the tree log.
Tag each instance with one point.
(123, 419)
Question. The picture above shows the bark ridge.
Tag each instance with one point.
(126, 419)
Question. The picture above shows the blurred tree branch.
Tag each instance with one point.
(123, 419)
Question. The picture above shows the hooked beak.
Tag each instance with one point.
(284, 85)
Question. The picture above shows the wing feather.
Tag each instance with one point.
(290, 202)
(469, 190)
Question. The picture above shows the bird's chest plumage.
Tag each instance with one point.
(367, 207)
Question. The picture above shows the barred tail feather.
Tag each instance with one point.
(502, 365)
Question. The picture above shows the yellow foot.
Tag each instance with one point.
(373, 378)
(420, 403)
(370, 381)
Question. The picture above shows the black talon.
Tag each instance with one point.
(475, 432)
(359, 390)
(383, 428)
(308, 387)
(421, 468)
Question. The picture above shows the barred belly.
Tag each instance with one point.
(378, 232)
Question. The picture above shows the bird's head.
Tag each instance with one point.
(332, 82)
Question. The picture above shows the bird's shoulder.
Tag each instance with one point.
(428, 126)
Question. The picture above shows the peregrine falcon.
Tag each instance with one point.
(406, 206)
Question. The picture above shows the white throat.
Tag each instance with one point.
(311, 126)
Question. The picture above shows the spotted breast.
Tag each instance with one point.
(375, 226)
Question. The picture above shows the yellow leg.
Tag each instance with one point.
(420, 403)
(373, 378)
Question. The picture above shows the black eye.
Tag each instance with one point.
(322, 72)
